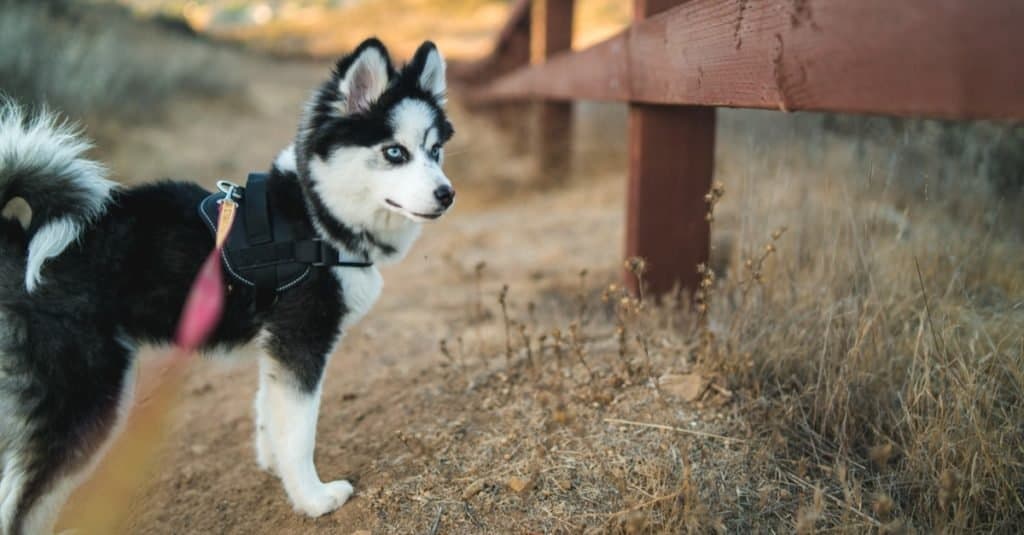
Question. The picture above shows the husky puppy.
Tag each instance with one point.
(90, 270)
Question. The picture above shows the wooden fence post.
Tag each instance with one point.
(552, 33)
(513, 50)
(671, 162)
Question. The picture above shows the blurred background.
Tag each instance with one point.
(873, 215)
(133, 63)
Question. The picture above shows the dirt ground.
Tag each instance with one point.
(505, 428)
(207, 481)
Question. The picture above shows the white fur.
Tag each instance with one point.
(356, 183)
(50, 147)
(48, 242)
(364, 82)
(285, 160)
(412, 185)
(289, 417)
(286, 419)
(45, 511)
(360, 287)
(360, 203)
(10, 489)
(264, 447)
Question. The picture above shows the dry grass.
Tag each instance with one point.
(859, 368)
(96, 62)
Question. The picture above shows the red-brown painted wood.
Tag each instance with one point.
(671, 161)
(939, 58)
(645, 9)
(552, 23)
(552, 34)
(511, 51)
(670, 168)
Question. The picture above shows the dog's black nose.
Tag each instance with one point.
(445, 195)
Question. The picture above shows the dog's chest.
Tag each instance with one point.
(360, 288)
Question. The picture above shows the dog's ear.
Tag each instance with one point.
(363, 76)
(429, 68)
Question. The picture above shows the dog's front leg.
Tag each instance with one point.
(264, 440)
(288, 404)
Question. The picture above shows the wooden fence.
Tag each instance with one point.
(680, 59)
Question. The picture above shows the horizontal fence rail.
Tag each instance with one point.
(937, 58)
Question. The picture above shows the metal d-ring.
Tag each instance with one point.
(230, 189)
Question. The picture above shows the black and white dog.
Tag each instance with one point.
(89, 270)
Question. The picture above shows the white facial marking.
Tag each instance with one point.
(390, 188)
(431, 138)
(411, 186)
(360, 187)
(411, 119)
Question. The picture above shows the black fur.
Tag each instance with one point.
(127, 280)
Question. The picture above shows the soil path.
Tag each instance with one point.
(208, 481)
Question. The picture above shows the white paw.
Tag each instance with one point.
(326, 498)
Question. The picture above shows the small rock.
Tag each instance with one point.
(474, 488)
(686, 386)
(517, 484)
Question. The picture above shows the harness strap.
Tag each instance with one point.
(263, 250)
(315, 252)
(257, 213)
(320, 253)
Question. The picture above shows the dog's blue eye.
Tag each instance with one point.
(435, 151)
(396, 154)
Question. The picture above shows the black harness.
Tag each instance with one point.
(261, 250)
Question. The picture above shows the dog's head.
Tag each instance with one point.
(372, 141)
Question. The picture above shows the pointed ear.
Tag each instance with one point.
(431, 68)
(363, 76)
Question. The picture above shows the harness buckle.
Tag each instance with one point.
(323, 253)
(231, 190)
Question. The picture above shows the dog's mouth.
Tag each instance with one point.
(434, 215)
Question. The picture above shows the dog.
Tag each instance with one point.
(90, 270)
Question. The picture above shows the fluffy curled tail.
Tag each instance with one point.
(46, 184)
